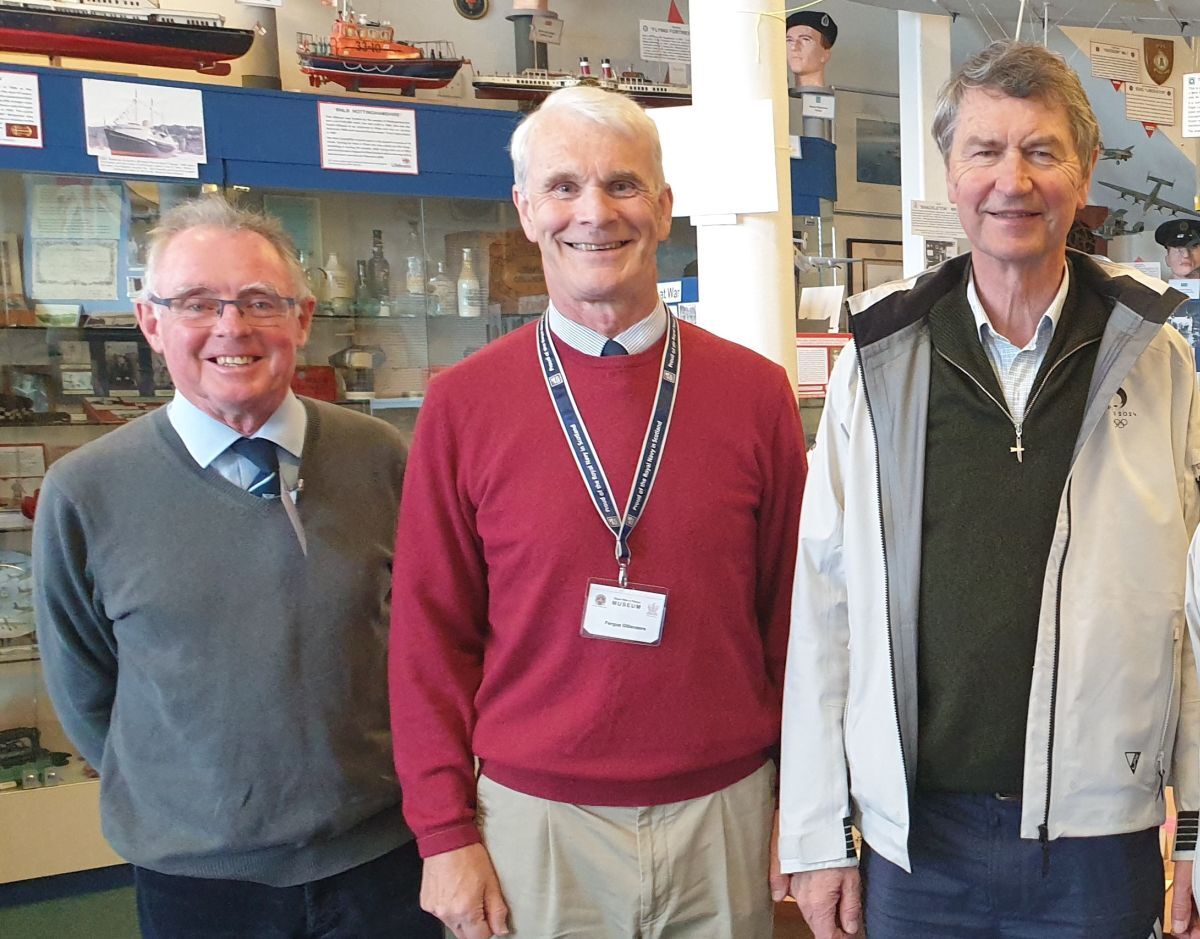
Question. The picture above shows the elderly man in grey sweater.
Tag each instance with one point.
(212, 605)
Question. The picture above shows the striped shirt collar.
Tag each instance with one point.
(206, 438)
(1051, 316)
(637, 338)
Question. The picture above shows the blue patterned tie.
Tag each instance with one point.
(263, 454)
(612, 347)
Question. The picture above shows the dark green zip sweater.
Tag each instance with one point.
(988, 521)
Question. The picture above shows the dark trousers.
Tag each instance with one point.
(973, 877)
(372, 901)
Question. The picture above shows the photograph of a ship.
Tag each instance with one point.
(144, 121)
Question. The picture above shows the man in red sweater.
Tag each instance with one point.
(620, 686)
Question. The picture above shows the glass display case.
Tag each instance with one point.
(405, 286)
(407, 283)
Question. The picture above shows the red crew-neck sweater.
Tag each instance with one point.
(496, 542)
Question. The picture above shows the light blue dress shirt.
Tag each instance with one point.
(208, 440)
(1016, 368)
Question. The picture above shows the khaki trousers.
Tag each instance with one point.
(685, 870)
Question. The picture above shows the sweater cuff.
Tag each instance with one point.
(448, 839)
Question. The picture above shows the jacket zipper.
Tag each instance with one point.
(887, 586)
(1018, 426)
(1044, 828)
(1176, 638)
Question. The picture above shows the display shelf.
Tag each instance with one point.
(388, 404)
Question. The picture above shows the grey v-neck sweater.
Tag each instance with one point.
(231, 691)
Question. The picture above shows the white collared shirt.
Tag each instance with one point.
(1016, 368)
(637, 338)
(208, 440)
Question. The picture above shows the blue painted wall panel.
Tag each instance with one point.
(270, 139)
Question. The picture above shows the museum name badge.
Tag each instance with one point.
(626, 614)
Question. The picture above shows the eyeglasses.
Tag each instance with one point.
(260, 309)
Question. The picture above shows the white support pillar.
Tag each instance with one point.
(924, 66)
(747, 291)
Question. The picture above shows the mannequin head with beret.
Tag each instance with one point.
(810, 38)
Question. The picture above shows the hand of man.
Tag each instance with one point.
(461, 889)
(778, 881)
(1185, 923)
(831, 901)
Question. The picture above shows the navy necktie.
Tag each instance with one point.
(264, 455)
(612, 347)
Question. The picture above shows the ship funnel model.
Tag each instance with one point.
(137, 32)
(363, 54)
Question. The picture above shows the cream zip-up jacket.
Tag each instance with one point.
(1114, 709)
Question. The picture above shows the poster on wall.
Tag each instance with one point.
(82, 270)
(144, 130)
(74, 234)
(1119, 64)
(935, 220)
(815, 357)
(664, 42)
(1152, 105)
(20, 110)
(1191, 104)
(367, 139)
(75, 208)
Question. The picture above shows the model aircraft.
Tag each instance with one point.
(1116, 225)
(1120, 155)
(1151, 199)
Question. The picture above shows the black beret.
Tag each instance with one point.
(1178, 233)
(822, 22)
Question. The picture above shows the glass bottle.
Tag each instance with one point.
(414, 262)
(312, 275)
(339, 286)
(379, 272)
(363, 305)
(443, 290)
(470, 297)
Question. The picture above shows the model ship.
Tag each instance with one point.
(133, 31)
(364, 54)
(534, 84)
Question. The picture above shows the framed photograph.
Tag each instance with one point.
(32, 382)
(76, 381)
(57, 314)
(867, 134)
(873, 262)
(121, 368)
(22, 467)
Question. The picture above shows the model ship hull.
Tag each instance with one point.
(522, 88)
(80, 35)
(353, 74)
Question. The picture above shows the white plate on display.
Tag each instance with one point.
(16, 595)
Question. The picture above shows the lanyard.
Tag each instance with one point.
(586, 458)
